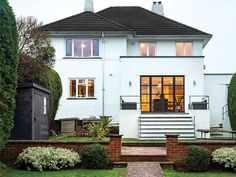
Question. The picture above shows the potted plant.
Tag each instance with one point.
(179, 100)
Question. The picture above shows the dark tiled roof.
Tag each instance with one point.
(86, 21)
(145, 22)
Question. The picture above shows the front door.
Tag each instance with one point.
(162, 93)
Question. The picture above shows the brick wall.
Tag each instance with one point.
(176, 151)
(14, 148)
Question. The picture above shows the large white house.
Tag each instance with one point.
(140, 67)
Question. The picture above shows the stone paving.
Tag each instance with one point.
(144, 169)
(153, 151)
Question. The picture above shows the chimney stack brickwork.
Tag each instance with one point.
(158, 8)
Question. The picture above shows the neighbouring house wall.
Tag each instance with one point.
(216, 86)
(176, 151)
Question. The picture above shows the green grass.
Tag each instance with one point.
(116, 172)
(173, 173)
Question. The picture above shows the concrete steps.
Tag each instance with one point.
(156, 126)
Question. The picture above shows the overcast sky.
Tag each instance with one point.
(216, 17)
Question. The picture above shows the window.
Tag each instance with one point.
(184, 48)
(148, 48)
(82, 48)
(81, 88)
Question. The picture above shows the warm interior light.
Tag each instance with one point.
(83, 45)
(142, 45)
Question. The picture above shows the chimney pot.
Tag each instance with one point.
(158, 8)
(88, 6)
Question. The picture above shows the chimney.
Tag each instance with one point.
(157, 8)
(88, 6)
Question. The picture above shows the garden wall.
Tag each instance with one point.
(176, 151)
(14, 148)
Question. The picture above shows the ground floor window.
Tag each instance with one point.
(162, 93)
(81, 88)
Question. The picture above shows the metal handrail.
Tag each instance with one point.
(224, 111)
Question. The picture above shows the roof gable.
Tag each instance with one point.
(86, 21)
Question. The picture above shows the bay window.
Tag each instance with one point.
(184, 48)
(147, 48)
(82, 48)
(81, 88)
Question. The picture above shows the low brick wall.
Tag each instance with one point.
(14, 148)
(176, 151)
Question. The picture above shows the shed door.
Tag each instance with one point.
(40, 117)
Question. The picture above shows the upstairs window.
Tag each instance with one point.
(148, 48)
(81, 88)
(82, 48)
(184, 48)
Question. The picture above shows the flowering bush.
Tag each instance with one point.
(225, 156)
(52, 158)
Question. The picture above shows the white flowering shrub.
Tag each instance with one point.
(52, 158)
(226, 157)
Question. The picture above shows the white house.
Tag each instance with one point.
(138, 66)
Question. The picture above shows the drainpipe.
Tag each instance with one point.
(103, 75)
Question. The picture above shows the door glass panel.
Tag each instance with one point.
(179, 90)
(145, 98)
(156, 90)
(145, 81)
(145, 90)
(156, 80)
(145, 107)
(167, 90)
(179, 81)
(168, 80)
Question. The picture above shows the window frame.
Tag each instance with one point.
(184, 49)
(77, 91)
(148, 48)
(82, 39)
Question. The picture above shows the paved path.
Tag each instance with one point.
(143, 151)
(144, 169)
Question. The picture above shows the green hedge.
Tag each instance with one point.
(232, 102)
(52, 81)
(8, 69)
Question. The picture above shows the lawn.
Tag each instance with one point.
(173, 173)
(116, 172)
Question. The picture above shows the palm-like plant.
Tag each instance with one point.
(105, 123)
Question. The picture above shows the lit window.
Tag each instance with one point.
(84, 88)
(82, 48)
(148, 48)
(184, 48)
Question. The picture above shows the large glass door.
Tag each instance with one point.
(162, 93)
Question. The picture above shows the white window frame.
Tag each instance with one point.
(184, 51)
(77, 84)
(82, 52)
(148, 47)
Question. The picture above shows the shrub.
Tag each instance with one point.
(41, 158)
(226, 157)
(232, 102)
(8, 69)
(197, 158)
(94, 157)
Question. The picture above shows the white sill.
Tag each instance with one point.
(72, 98)
(80, 58)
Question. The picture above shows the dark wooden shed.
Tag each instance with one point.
(31, 120)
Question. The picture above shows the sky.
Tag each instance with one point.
(216, 17)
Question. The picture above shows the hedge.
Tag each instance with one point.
(8, 69)
(232, 102)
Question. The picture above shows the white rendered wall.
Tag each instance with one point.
(216, 88)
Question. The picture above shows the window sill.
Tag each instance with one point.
(80, 58)
(81, 98)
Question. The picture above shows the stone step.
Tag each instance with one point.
(144, 158)
(165, 164)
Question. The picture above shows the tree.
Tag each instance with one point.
(8, 69)
(37, 57)
(35, 49)
(232, 102)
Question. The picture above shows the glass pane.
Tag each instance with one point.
(179, 80)
(156, 80)
(78, 48)
(90, 88)
(68, 47)
(82, 89)
(168, 80)
(145, 90)
(152, 49)
(145, 98)
(188, 48)
(95, 47)
(156, 89)
(145, 107)
(169, 98)
(143, 49)
(86, 46)
(179, 48)
(72, 88)
(145, 80)
(168, 90)
(179, 90)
